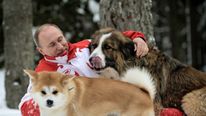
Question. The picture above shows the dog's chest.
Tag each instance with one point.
(53, 113)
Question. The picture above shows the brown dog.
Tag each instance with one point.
(176, 83)
(62, 95)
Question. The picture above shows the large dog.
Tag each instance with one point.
(178, 85)
(63, 95)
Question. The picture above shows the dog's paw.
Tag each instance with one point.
(110, 73)
(194, 103)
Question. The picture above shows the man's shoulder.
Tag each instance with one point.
(82, 44)
(44, 65)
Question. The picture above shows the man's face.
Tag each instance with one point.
(52, 42)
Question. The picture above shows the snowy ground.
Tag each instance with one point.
(4, 111)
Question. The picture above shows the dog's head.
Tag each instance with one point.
(110, 47)
(50, 89)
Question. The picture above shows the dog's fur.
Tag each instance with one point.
(177, 84)
(63, 95)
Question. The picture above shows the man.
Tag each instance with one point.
(62, 56)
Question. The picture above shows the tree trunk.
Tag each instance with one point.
(177, 22)
(18, 48)
(196, 38)
(127, 15)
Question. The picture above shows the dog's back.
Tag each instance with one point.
(173, 77)
(102, 97)
(174, 80)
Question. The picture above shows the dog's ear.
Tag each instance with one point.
(31, 74)
(66, 79)
(92, 47)
(128, 49)
(103, 31)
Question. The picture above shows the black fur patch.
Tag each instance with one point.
(128, 50)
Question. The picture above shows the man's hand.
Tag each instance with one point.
(141, 47)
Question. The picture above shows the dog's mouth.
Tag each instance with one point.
(96, 63)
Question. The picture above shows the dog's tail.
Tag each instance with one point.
(141, 78)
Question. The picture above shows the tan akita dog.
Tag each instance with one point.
(64, 95)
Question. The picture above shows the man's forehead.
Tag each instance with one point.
(49, 32)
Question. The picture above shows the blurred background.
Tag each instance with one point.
(177, 27)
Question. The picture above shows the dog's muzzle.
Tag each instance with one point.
(96, 62)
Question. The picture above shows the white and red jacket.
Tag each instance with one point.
(75, 62)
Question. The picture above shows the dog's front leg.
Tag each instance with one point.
(110, 73)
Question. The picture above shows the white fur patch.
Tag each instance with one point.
(142, 78)
(58, 99)
(98, 51)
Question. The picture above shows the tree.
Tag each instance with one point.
(72, 16)
(177, 22)
(1, 37)
(182, 22)
(125, 15)
(198, 49)
(18, 47)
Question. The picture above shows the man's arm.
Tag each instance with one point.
(139, 39)
(134, 34)
(27, 106)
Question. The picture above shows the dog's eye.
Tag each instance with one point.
(55, 92)
(43, 92)
(107, 47)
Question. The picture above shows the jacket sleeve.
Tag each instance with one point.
(171, 112)
(30, 108)
(134, 34)
(27, 105)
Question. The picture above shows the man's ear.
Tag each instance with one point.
(40, 50)
(128, 49)
(31, 74)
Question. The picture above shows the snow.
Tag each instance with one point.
(94, 9)
(4, 111)
(81, 11)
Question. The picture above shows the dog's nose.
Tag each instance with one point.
(94, 59)
(96, 62)
(49, 103)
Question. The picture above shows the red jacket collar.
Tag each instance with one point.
(69, 54)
